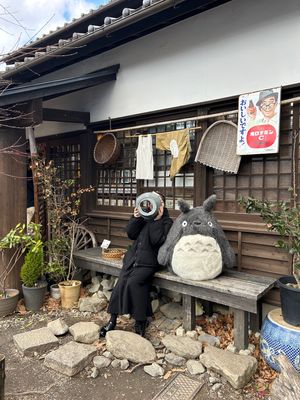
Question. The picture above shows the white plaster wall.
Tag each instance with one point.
(239, 47)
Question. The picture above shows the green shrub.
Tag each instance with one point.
(32, 268)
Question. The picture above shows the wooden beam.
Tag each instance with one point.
(77, 117)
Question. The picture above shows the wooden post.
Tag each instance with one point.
(2, 375)
(240, 329)
(13, 184)
(189, 319)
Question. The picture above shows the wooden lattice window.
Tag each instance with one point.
(117, 184)
(66, 157)
(265, 177)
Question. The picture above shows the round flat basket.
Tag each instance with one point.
(113, 254)
(107, 149)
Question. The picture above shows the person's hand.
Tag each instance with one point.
(160, 212)
(136, 213)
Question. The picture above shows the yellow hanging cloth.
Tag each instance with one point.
(178, 142)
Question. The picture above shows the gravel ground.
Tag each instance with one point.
(27, 378)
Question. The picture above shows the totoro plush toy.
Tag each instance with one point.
(196, 247)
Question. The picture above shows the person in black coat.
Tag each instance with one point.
(131, 294)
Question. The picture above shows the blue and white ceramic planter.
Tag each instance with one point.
(278, 337)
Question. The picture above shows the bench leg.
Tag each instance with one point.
(256, 319)
(240, 329)
(189, 319)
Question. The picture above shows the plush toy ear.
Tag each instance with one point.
(209, 203)
(183, 206)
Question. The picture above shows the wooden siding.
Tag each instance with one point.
(266, 176)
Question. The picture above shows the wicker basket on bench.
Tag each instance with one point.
(113, 254)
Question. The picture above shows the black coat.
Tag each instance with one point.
(131, 294)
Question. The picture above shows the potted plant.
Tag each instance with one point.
(34, 287)
(283, 218)
(62, 199)
(27, 242)
(9, 297)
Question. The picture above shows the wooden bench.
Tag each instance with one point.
(241, 292)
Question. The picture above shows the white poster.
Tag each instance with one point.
(258, 122)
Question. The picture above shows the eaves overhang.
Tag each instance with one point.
(55, 88)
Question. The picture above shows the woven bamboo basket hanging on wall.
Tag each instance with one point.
(217, 148)
(107, 149)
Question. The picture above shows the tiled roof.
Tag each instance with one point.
(35, 49)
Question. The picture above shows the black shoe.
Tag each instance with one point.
(106, 328)
(140, 328)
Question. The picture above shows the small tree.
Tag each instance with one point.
(62, 199)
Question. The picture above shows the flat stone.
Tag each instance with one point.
(124, 364)
(172, 310)
(101, 362)
(36, 341)
(85, 332)
(195, 367)
(167, 324)
(183, 346)
(174, 359)
(216, 387)
(58, 327)
(70, 358)
(154, 370)
(115, 363)
(207, 339)
(131, 346)
(236, 369)
(92, 304)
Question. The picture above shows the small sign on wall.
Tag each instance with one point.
(258, 122)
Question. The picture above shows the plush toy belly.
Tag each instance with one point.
(197, 257)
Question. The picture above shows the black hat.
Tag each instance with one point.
(264, 94)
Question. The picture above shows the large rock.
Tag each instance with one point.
(38, 340)
(236, 369)
(183, 346)
(58, 327)
(131, 346)
(85, 332)
(172, 310)
(92, 304)
(70, 358)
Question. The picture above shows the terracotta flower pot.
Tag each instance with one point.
(69, 293)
